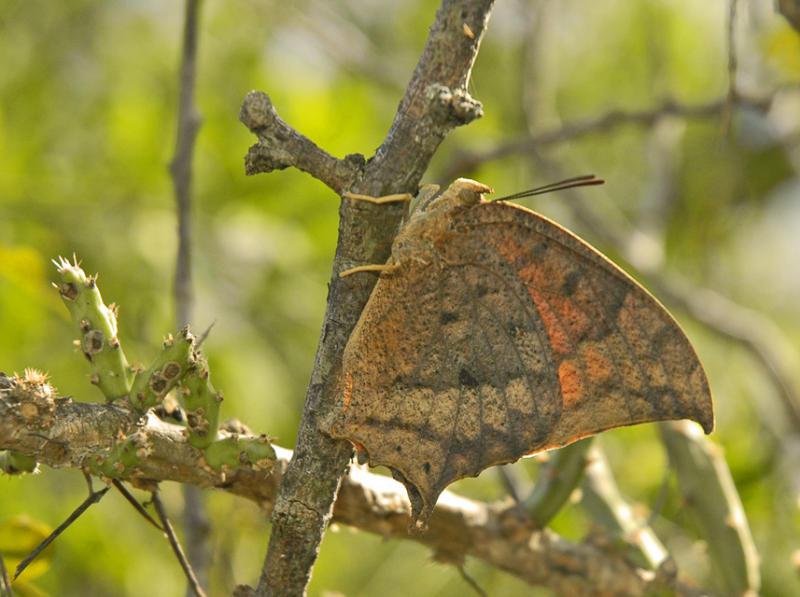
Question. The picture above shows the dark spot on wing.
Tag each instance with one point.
(465, 378)
(448, 317)
(539, 249)
(571, 281)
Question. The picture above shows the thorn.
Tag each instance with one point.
(204, 335)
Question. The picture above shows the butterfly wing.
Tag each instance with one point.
(520, 337)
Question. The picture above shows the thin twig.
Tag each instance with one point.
(93, 498)
(466, 162)
(280, 146)
(135, 503)
(202, 337)
(471, 581)
(5, 582)
(176, 547)
(732, 56)
(727, 109)
(791, 10)
(195, 518)
(515, 484)
(181, 165)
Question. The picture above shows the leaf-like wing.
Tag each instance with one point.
(517, 338)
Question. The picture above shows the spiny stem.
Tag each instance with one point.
(98, 328)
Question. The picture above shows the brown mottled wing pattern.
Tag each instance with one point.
(519, 338)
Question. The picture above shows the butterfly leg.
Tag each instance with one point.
(405, 197)
(375, 267)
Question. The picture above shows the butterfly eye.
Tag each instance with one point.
(469, 196)
(469, 192)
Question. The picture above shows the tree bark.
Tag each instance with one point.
(435, 101)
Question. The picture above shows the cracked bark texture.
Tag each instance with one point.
(435, 101)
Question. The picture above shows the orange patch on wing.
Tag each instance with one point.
(572, 390)
(559, 340)
(598, 369)
(535, 274)
(573, 317)
(514, 253)
(564, 319)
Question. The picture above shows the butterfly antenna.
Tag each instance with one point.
(568, 183)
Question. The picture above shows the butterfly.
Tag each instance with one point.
(494, 333)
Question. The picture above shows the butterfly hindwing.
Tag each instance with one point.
(514, 337)
(621, 357)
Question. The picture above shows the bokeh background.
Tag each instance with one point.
(707, 198)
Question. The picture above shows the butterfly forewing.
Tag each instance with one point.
(621, 357)
(516, 336)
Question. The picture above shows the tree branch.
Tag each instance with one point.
(436, 100)
(466, 162)
(194, 585)
(791, 10)
(65, 433)
(280, 146)
(194, 515)
(181, 165)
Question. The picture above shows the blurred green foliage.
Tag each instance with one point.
(87, 119)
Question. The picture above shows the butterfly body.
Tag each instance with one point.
(494, 333)
(429, 223)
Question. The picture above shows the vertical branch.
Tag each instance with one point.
(195, 519)
(5, 582)
(181, 165)
(732, 67)
(732, 56)
(435, 102)
(790, 9)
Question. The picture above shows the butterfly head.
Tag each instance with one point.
(468, 192)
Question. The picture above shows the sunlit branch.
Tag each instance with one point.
(496, 534)
(466, 162)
